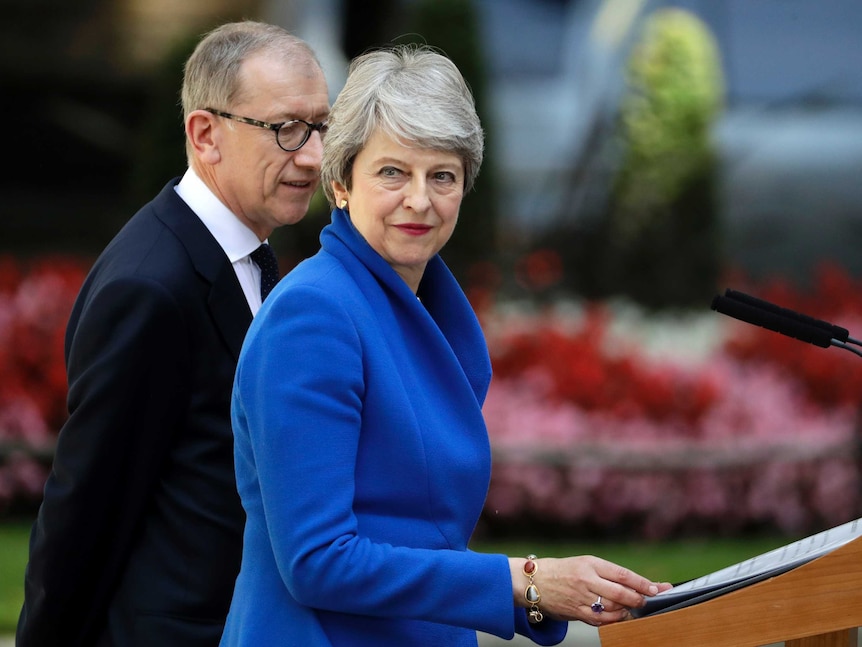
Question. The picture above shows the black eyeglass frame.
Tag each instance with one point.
(309, 127)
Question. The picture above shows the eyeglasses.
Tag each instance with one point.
(289, 135)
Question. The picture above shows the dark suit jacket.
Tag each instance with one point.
(138, 539)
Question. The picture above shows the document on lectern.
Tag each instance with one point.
(750, 571)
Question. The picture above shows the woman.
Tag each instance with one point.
(362, 456)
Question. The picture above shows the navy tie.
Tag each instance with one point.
(268, 264)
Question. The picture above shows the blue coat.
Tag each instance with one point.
(363, 462)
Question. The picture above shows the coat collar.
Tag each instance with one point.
(441, 297)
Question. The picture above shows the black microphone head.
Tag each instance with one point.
(837, 332)
(772, 321)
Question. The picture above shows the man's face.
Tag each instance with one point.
(265, 186)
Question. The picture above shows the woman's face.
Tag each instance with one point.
(404, 201)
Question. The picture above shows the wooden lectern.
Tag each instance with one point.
(818, 604)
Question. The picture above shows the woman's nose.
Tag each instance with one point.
(416, 195)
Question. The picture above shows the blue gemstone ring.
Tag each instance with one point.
(597, 606)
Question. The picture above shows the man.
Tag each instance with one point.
(138, 538)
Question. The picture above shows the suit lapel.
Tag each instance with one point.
(229, 308)
(226, 301)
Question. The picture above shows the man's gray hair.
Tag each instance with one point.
(211, 76)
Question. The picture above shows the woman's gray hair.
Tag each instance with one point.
(211, 75)
(414, 94)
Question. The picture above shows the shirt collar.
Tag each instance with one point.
(237, 240)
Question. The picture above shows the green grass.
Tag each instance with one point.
(672, 561)
(14, 537)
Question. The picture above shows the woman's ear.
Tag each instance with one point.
(342, 195)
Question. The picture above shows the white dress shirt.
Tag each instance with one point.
(237, 240)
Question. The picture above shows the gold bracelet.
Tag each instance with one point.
(531, 593)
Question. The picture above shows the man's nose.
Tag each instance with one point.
(311, 153)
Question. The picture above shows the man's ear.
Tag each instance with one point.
(202, 133)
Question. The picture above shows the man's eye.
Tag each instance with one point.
(291, 129)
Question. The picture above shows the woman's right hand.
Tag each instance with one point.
(570, 586)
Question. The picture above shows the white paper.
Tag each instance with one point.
(755, 569)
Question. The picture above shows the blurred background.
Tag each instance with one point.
(755, 107)
(642, 155)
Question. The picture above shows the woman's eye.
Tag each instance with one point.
(389, 171)
(444, 176)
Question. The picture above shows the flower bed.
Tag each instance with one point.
(603, 418)
(35, 301)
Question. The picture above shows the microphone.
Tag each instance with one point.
(837, 332)
(783, 320)
(771, 320)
